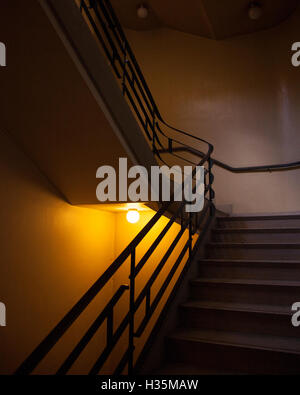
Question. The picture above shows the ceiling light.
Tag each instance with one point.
(142, 11)
(133, 216)
(255, 11)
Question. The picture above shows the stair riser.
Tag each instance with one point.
(245, 252)
(214, 356)
(251, 271)
(233, 237)
(261, 224)
(236, 321)
(241, 293)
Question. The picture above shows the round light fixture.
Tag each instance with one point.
(255, 11)
(142, 11)
(133, 216)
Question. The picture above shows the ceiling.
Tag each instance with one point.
(206, 18)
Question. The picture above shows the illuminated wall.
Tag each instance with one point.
(125, 233)
(51, 253)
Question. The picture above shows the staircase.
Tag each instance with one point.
(238, 318)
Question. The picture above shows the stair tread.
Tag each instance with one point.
(256, 230)
(289, 345)
(243, 307)
(285, 283)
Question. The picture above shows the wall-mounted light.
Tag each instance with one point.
(142, 11)
(133, 216)
(255, 11)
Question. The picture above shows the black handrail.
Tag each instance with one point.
(245, 169)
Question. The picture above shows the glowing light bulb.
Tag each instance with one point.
(132, 216)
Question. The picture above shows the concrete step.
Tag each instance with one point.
(279, 221)
(265, 251)
(267, 292)
(251, 269)
(271, 235)
(245, 352)
(238, 317)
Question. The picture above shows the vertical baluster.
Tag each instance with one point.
(131, 314)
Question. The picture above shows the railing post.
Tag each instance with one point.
(131, 314)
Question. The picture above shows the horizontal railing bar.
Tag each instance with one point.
(121, 62)
(246, 169)
(159, 238)
(121, 366)
(137, 113)
(180, 142)
(182, 158)
(150, 108)
(160, 266)
(91, 331)
(132, 56)
(108, 349)
(142, 79)
(104, 28)
(146, 115)
(185, 133)
(92, 22)
(162, 290)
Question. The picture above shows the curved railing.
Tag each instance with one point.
(104, 23)
(243, 169)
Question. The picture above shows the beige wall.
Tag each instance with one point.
(243, 95)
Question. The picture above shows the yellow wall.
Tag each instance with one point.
(125, 233)
(51, 253)
(242, 94)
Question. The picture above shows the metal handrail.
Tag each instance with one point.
(245, 169)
